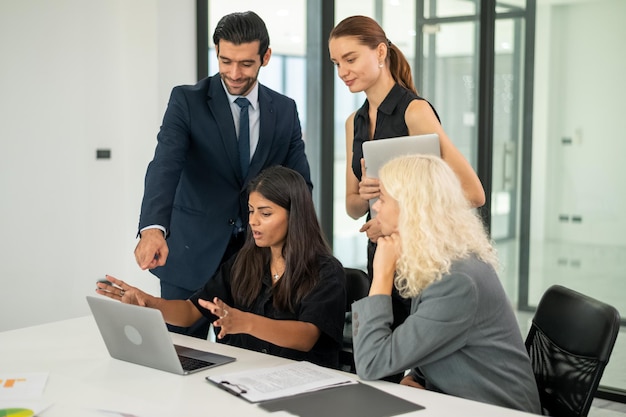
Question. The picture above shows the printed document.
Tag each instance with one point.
(280, 381)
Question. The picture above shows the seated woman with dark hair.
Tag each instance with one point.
(461, 336)
(282, 294)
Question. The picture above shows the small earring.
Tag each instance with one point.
(381, 65)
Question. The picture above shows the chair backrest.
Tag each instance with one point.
(569, 343)
(357, 286)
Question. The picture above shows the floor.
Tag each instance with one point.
(592, 270)
(603, 408)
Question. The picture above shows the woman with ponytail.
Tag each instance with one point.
(368, 61)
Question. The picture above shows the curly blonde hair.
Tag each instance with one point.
(436, 222)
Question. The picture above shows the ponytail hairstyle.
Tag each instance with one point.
(369, 33)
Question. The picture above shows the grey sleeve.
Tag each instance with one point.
(438, 325)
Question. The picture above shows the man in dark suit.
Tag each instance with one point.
(195, 205)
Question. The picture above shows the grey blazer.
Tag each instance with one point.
(462, 337)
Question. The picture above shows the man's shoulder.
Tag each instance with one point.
(206, 88)
(202, 85)
(275, 96)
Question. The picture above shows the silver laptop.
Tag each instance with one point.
(378, 152)
(139, 335)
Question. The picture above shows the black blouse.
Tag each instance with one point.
(390, 122)
(324, 307)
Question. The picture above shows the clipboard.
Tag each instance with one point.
(266, 384)
(234, 389)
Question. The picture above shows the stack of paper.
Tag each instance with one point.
(281, 381)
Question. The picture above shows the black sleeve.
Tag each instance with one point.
(217, 286)
(325, 305)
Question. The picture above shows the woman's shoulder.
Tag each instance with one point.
(331, 267)
(466, 275)
(328, 260)
(419, 104)
(459, 283)
(420, 113)
(471, 265)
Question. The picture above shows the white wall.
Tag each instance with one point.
(76, 76)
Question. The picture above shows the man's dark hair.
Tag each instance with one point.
(242, 27)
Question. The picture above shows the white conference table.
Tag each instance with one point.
(83, 379)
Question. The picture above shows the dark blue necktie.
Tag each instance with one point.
(244, 135)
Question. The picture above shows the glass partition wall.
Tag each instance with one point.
(573, 215)
(441, 39)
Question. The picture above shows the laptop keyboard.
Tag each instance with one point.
(190, 364)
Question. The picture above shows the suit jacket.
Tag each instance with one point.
(194, 185)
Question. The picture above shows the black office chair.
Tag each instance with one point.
(357, 287)
(569, 344)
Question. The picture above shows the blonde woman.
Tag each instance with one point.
(461, 336)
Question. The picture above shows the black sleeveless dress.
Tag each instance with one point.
(389, 123)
